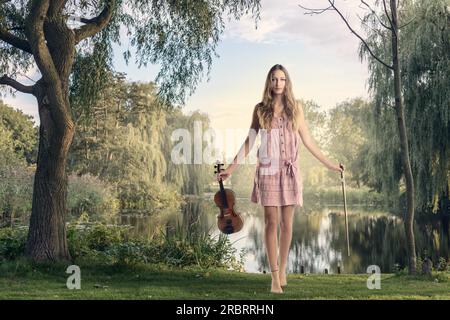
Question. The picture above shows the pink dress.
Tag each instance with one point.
(277, 179)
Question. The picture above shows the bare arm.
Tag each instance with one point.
(246, 147)
(249, 141)
(310, 144)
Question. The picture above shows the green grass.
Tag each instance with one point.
(22, 281)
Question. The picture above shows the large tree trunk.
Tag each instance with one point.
(409, 221)
(47, 232)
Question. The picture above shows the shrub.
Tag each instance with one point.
(149, 196)
(112, 244)
(88, 239)
(88, 194)
(16, 191)
(12, 243)
(98, 243)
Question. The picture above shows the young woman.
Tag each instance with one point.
(280, 120)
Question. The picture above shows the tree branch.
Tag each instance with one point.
(315, 11)
(50, 85)
(375, 14)
(16, 85)
(14, 40)
(387, 15)
(372, 28)
(407, 23)
(359, 37)
(56, 7)
(35, 30)
(96, 24)
(333, 7)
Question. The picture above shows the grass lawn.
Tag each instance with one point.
(19, 281)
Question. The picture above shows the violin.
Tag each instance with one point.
(229, 221)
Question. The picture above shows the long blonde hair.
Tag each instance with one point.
(266, 108)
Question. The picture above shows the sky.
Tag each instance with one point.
(319, 52)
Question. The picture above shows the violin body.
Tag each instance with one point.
(229, 221)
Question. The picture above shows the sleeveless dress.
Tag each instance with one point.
(278, 181)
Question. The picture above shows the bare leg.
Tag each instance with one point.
(270, 237)
(287, 215)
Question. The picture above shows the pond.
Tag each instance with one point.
(318, 242)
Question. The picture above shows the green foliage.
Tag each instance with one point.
(112, 244)
(88, 194)
(191, 247)
(312, 171)
(179, 36)
(349, 138)
(91, 240)
(443, 264)
(18, 146)
(333, 195)
(12, 243)
(425, 69)
(18, 135)
(16, 188)
(125, 139)
(190, 177)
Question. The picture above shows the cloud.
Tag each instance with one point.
(285, 22)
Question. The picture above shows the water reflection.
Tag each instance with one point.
(318, 242)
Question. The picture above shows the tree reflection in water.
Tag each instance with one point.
(318, 241)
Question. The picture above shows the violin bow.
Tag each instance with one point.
(345, 208)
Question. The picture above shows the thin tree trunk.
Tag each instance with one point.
(409, 221)
(47, 232)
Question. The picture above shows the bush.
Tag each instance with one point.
(16, 192)
(195, 248)
(88, 194)
(97, 243)
(87, 240)
(141, 195)
(112, 244)
(443, 264)
(12, 243)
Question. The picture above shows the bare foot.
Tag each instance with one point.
(276, 287)
(276, 290)
(283, 280)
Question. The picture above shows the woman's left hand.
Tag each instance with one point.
(339, 168)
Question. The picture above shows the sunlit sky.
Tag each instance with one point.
(319, 52)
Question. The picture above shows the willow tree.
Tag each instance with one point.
(387, 22)
(180, 36)
(426, 69)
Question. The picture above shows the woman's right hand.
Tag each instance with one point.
(224, 174)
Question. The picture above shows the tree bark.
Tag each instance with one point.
(47, 232)
(53, 46)
(409, 221)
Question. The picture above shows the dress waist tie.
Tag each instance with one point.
(291, 169)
